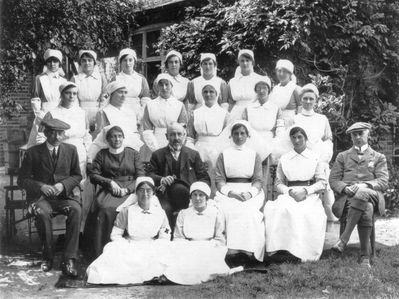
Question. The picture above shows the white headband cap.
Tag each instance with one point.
(264, 79)
(52, 53)
(163, 76)
(144, 179)
(127, 51)
(205, 56)
(201, 186)
(310, 87)
(285, 64)
(174, 53)
(90, 52)
(115, 85)
(247, 52)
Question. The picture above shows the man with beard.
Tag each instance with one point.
(174, 168)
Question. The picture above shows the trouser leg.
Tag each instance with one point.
(73, 211)
(43, 213)
(352, 219)
(365, 227)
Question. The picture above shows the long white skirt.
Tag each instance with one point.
(194, 262)
(297, 227)
(245, 228)
(134, 262)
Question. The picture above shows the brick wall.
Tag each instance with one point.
(16, 131)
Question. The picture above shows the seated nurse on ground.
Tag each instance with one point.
(135, 258)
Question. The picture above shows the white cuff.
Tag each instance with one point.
(309, 190)
(225, 190)
(254, 191)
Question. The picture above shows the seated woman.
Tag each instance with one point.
(240, 195)
(295, 221)
(205, 125)
(208, 66)
(158, 113)
(199, 232)
(114, 170)
(115, 114)
(136, 257)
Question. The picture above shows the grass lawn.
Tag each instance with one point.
(332, 277)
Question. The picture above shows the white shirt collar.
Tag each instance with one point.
(116, 151)
(175, 153)
(51, 147)
(362, 149)
(53, 74)
(306, 153)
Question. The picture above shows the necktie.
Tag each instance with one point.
(54, 155)
(145, 212)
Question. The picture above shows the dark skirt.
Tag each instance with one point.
(100, 221)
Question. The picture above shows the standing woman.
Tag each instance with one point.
(265, 118)
(91, 85)
(319, 134)
(114, 170)
(295, 221)
(240, 196)
(286, 93)
(204, 127)
(138, 92)
(173, 63)
(46, 90)
(208, 76)
(160, 112)
(69, 112)
(242, 86)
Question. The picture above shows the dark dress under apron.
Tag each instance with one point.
(122, 168)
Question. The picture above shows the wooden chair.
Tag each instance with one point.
(12, 205)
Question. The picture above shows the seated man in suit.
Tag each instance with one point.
(50, 174)
(174, 168)
(359, 176)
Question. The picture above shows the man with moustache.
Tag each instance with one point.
(50, 174)
(174, 168)
(359, 177)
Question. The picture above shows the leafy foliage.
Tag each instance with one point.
(31, 27)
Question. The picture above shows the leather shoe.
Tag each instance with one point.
(46, 265)
(68, 267)
(339, 246)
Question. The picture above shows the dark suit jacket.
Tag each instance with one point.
(192, 168)
(348, 169)
(39, 169)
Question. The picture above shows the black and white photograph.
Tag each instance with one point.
(199, 149)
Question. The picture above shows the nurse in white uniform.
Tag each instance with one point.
(240, 195)
(208, 66)
(205, 125)
(173, 64)
(160, 112)
(286, 93)
(138, 92)
(46, 94)
(295, 221)
(91, 85)
(242, 86)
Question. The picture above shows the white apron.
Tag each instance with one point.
(297, 227)
(244, 222)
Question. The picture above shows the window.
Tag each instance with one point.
(144, 42)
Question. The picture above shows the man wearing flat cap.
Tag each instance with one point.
(50, 174)
(359, 176)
